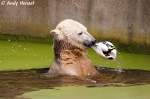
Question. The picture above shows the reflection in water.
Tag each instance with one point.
(13, 83)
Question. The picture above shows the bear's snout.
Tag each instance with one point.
(93, 42)
(89, 43)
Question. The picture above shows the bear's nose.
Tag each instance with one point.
(93, 42)
(89, 43)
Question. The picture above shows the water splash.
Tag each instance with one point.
(19, 46)
(9, 40)
(24, 49)
(119, 66)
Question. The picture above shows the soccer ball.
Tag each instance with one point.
(106, 49)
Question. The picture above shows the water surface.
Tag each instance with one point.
(19, 78)
(16, 83)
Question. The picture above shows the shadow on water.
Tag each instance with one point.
(13, 83)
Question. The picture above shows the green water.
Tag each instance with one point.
(74, 92)
(16, 55)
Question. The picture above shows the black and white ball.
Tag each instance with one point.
(106, 49)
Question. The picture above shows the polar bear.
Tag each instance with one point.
(71, 40)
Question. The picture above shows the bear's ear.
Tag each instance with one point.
(56, 34)
(53, 32)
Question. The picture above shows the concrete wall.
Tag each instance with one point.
(124, 20)
(25, 20)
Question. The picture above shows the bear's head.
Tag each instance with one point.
(74, 33)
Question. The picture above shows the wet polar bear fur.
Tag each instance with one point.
(71, 40)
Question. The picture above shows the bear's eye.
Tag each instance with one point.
(80, 33)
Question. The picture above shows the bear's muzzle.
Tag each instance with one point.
(89, 43)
